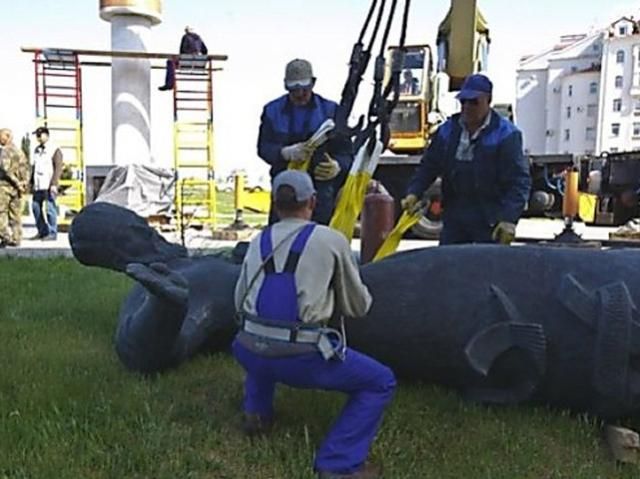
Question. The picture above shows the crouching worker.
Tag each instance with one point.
(296, 275)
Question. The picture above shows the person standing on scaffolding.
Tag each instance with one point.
(191, 44)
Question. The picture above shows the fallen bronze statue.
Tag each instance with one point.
(502, 325)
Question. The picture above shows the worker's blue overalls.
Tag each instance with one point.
(369, 384)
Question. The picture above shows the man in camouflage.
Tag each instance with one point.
(14, 182)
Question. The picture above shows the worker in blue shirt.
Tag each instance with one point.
(288, 121)
(485, 175)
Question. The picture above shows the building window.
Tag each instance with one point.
(574, 69)
(570, 90)
(567, 134)
(590, 133)
(620, 56)
(636, 130)
(615, 129)
(592, 111)
(618, 81)
(593, 88)
(568, 112)
(636, 108)
(622, 30)
(617, 104)
(613, 150)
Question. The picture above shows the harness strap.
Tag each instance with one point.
(296, 249)
(330, 342)
(266, 248)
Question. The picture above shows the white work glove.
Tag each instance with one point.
(409, 203)
(327, 170)
(295, 152)
(504, 232)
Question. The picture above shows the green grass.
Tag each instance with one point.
(68, 409)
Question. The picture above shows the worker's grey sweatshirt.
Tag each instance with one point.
(327, 275)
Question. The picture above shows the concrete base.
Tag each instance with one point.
(231, 234)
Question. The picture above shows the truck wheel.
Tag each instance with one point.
(427, 228)
(430, 225)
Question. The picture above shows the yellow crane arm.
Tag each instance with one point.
(462, 33)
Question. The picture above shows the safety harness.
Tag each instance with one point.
(278, 318)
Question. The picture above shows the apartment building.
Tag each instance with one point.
(582, 96)
(557, 93)
(619, 100)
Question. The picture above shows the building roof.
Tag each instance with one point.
(635, 23)
(569, 46)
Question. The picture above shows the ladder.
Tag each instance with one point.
(58, 82)
(195, 192)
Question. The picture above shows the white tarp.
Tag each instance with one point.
(144, 190)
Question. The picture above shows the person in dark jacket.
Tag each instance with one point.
(288, 121)
(191, 44)
(485, 175)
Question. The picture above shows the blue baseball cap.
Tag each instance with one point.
(474, 86)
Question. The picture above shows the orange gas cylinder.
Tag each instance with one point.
(376, 222)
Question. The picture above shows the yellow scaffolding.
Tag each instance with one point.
(59, 108)
(193, 140)
(59, 90)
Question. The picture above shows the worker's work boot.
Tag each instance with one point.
(255, 425)
(368, 471)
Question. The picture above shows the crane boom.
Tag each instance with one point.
(463, 37)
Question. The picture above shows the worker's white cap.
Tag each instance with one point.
(299, 181)
(298, 74)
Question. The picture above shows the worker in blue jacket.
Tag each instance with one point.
(288, 121)
(485, 175)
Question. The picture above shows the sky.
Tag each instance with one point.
(260, 37)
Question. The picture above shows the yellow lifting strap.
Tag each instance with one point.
(304, 164)
(354, 190)
(312, 144)
(587, 207)
(391, 242)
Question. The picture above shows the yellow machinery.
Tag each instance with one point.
(409, 123)
(254, 200)
(425, 99)
(463, 39)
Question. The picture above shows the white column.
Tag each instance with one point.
(130, 92)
